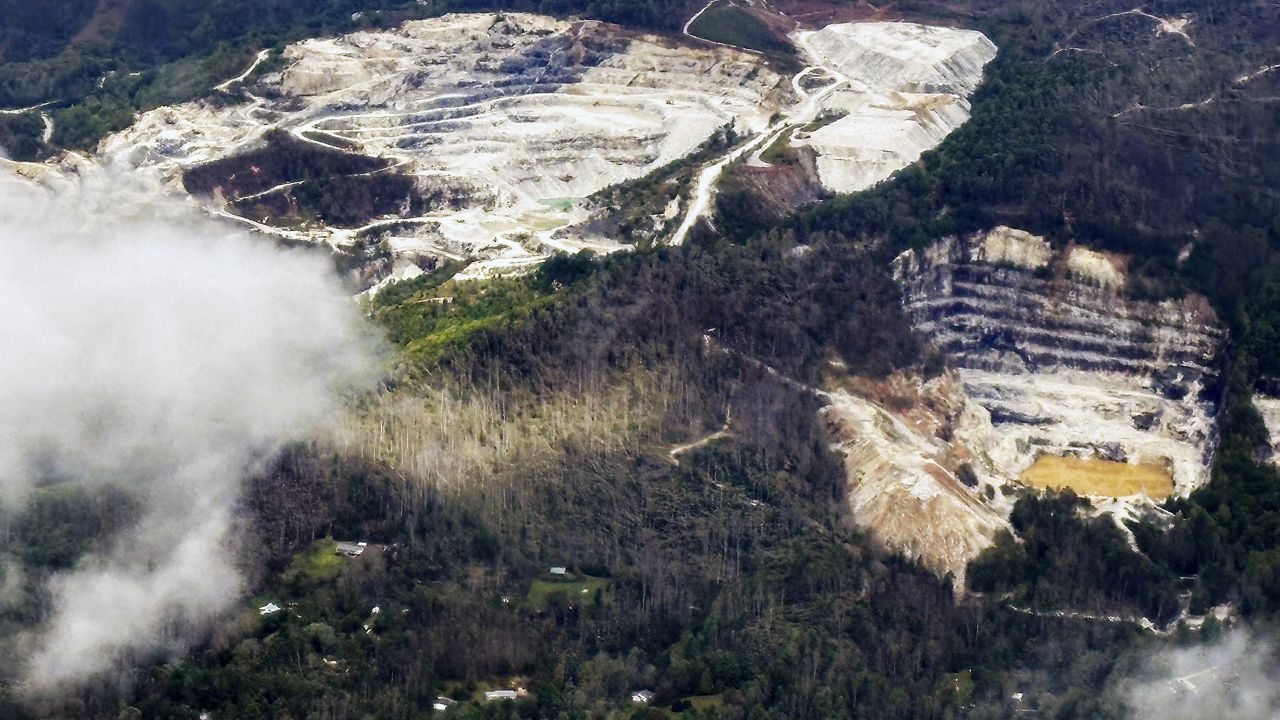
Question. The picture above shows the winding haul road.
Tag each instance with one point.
(803, 113)
(224, 86)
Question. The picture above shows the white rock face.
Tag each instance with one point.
(904, 57)
(904, 88)
(1090, 414)
(1006, 246)
(880, 135)
(508, 120)
(1269, 407)
(1041, 365)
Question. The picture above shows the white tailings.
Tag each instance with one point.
(904, 88)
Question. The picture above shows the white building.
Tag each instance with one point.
(643, 697)
(350, 549)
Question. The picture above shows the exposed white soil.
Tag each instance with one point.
(903, 483)
(1251, 76)
(1176, 26)
(901, 88)
(21, 111)
(257, 60)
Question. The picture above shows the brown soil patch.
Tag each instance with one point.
(1100, 478)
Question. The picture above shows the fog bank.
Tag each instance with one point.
(147, 348)
(1234, 677)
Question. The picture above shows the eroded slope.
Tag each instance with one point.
(901, 88)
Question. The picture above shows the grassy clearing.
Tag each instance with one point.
(780, 151)
(727, 23)
(703, 703)
(428, 315)
(577, 590)
(1105, 478)
(318, 565)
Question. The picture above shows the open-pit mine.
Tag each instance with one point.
(484, 137)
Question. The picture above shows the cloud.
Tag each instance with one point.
(1235, 677)
(148, 349)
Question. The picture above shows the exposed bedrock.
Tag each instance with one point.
(905, 57)
(1040, 313)
(1061, 358)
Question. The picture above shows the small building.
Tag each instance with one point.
(491, 695)
(443, 703)
(268, 609)
(558, 570)
(350, 549)
(642, 697)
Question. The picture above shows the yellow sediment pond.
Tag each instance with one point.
(1104, 478)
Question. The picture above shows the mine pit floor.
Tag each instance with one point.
(1100, 478)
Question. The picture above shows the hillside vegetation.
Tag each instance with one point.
(530, 423)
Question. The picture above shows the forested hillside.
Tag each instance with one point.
(647, 421)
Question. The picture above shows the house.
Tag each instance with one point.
(643, 697)
(268, 609)
(500, 695)
(443, 703)
(350, 549)
(558, 570)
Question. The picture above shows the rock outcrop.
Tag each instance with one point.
(904, 57)
(538, 112)
(512, 120)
